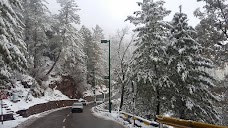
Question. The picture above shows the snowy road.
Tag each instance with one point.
(65, 119)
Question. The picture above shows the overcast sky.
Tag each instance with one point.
(110, 14)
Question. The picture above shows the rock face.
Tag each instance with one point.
(69, 87)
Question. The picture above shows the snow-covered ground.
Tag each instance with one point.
(20, 93)
(99, 111)
(23, 99)
(116, 116)
(98, 91)
(19, 121)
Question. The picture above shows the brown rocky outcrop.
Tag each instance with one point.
(69, 87)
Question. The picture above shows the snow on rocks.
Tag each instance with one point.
(18, 101)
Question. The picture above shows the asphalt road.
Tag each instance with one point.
(65, 119)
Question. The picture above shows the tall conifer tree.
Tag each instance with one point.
(148, 61)
(192, 97)
(12, 47)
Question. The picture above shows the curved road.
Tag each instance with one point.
(65, 119)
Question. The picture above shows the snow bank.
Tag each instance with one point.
(19, 122)
(19, 95)
(99, 90)
(120, 117)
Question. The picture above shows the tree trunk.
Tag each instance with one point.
(122, 96)
(35, 60)
(60, 50)
(158, 102)
(122, 93)
(158, 92)
(182, 111)
(52, 67)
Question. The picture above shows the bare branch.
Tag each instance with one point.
(224, 29)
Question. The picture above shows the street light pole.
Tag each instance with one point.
(109, 72)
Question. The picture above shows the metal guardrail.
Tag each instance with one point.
(128, 117)
(179, 123)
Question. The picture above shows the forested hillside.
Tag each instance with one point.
(170, 62)
(41, 49)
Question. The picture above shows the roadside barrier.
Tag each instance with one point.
(38, 108)
(139, 121)
(179, 123)
(160, 120)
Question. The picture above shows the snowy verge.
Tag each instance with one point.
(122, 118)
(22, 99)
(23, 122)
(22, 104)
(114, 116)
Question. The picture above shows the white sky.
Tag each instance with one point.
(110, 14)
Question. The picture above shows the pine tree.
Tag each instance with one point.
(214, 26)
(222, 90)
(70, 46)
(12, 47)
(209, 37)
(192, 98)
(88, 49)
(71, 51)
(216, 11)
(97, 35)
(148, 64)
(35, 20)
(93, 52)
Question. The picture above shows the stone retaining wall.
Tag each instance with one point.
(38, 108)
(7, 117)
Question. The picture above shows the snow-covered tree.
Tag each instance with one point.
(148, 63)
(191, 96)
(121, 56)
(213, 29)
(97, 35)
(209, 38)
(222, 90)
(35, 20)
(68, 13)
(89, 51)
(67, 44)
(216, 11)
(93, 51)
(12, 46)
(68, 35)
